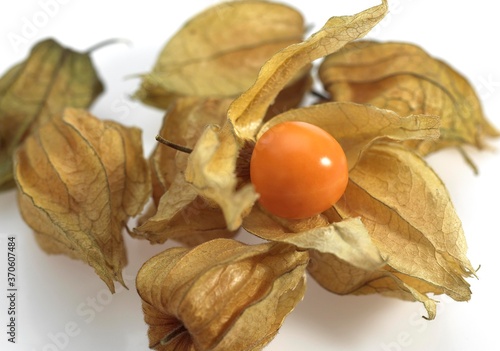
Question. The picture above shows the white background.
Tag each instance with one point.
(62, 305)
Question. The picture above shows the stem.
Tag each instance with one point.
(170, 336)
(468, 160)
(173, 334)
(177, 147)
(319, 95)
(108, 42)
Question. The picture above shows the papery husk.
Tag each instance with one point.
(31, 92)
(184, 216)
(356, 127)
(211, 166)
(79, 180)
(340, 277)
(177, 213)
(404, 78)
(409, 215)
(220, 295)
(248, 110)
(182, 125)
(219, 52)
(348, 239)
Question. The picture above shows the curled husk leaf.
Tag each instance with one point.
(51, 78)
(404, 78)
(79, 180)
(221, 295)
(228, 40)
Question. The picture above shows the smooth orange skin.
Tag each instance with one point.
(298, 170)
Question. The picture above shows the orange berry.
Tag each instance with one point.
(298, 169)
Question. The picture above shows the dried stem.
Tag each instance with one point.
(320, 95)
(108, 42)
(181, 148)
(167, 339)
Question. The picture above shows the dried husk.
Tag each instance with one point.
(220, 295)
(345, 257)
(51, 78)
(180, 216)
(409, 215)
(356, 127)
(182, 125)
(184, 216)
(219, 52)
(79, 180)
(348, 239)
(404, 78)
(340, 277)
(177, 212)
(211, 167)
(249, 109)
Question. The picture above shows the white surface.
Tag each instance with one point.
(62, 305)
